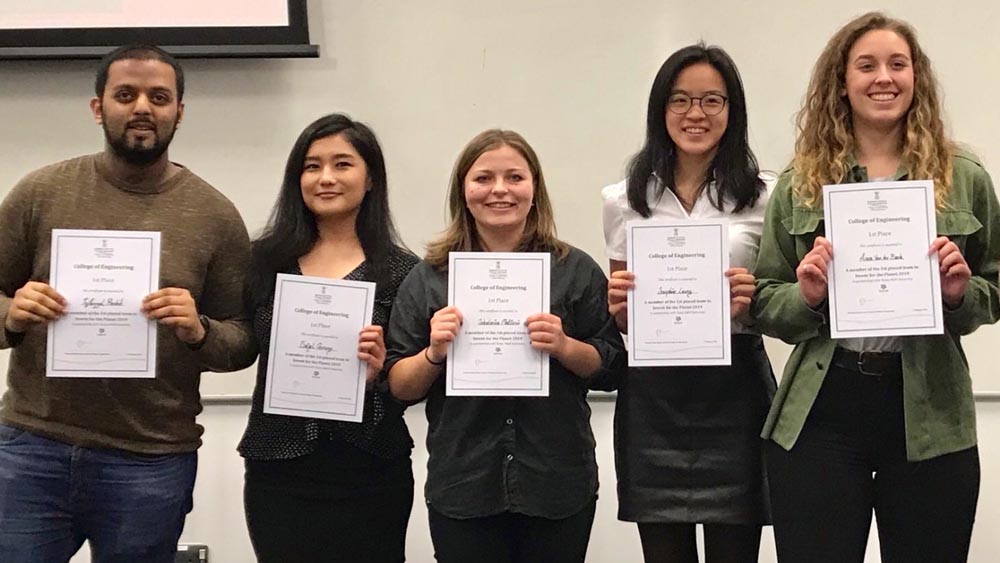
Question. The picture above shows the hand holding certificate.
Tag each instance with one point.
(679, 309)
(313, 368)
(882, 280)
(103, 275)
(492, 353)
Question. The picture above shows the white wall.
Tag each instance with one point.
(572, 76)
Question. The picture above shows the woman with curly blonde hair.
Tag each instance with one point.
(884, 424)
(827, 140)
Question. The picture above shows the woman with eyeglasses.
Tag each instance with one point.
(687, 449)
(874, 424)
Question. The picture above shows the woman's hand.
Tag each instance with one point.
(546, 333)
(741, 288)
(618, 286)
(444, 328)
(955, 271)
(371, 350)
(811, 272)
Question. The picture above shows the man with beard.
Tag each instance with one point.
(106, 460)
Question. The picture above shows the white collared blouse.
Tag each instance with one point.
(744, 227)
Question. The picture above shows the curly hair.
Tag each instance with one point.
(825, 140)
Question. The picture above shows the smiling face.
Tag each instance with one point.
(694, 132)
(499, 189)
(139, 110)
(879, 79)
(334, 178)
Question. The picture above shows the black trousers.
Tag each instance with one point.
(338, 504)
(849, 460)
(511, 538)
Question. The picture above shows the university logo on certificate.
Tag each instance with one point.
(496, 292)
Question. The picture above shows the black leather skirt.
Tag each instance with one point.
(687, 440)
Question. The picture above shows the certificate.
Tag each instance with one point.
(881, 280)
(496, 292)
(313, 369)
(104, 276)
(678, 311)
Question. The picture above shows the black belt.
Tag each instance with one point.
(868, 363)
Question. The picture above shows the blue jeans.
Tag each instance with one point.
(54, 496)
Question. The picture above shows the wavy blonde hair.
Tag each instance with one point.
(825, 139)
(461, 236)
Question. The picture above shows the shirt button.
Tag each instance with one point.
(510, 457)
(510, 421)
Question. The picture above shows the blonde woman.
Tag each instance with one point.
(509, 479)
(883, 424)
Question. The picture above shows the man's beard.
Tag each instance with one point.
(138, 156)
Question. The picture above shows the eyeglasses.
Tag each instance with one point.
(711, 104)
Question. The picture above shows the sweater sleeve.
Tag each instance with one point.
(16, 253)
(229, 344)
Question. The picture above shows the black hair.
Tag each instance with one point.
(140, 53)
(734, 167)
(291, 230)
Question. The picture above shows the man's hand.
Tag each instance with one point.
(174, 307)
(35, 303)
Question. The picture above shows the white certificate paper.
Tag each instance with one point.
(492, 354)
(104, 275)
(882, 282)
(678, 312)
(313, 368)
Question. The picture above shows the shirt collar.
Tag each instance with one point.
(857, 173)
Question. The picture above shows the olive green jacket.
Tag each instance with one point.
(937, 390)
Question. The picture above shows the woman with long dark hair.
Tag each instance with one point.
(687, 449)
(320, 490)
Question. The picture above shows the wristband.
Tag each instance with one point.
(427, 357)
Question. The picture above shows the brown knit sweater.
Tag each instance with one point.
(205, 249)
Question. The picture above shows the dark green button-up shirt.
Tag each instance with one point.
(937, 390)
